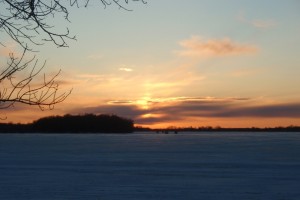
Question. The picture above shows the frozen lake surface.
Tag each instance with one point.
(207, 166)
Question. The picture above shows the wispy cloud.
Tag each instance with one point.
(151, 82)
(199, 47)
(125, 69)
(257, 23)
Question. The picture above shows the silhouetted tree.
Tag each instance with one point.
(88, 123)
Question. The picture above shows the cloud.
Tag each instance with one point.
(269, 111)
(234, 109)
(161, 80)
(198, 47)
(120, 102)
(258, 23)
(130, 111)
(125, 69)
(176, 109)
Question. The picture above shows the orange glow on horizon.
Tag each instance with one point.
(228, 123)
(167, 112)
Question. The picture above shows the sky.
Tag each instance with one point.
(232, 63)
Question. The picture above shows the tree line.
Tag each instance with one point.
(290, 128)
(88, 123)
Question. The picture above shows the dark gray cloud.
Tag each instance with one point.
(130, 111)
(230, 109)
(227, 108)
(280, 110)
(155, 120)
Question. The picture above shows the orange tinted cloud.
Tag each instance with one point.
(198, 47)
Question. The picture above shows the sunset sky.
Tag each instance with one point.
(229, 63)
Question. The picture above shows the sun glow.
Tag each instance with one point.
(152, 115)
(144, 103)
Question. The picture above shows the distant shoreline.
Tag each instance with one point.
(164, 131)
(220, 129)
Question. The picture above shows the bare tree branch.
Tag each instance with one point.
(28, 22)
(19, 88)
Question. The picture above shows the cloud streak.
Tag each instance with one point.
(198, 47)
(258, 23)
(125, 69)
(181, 108)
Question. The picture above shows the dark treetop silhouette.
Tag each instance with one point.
(88, 123)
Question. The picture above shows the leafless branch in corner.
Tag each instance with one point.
(29, 21)
(19, 87)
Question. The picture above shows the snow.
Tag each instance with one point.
(150, 166)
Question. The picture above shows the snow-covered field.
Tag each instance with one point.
(150, 166)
